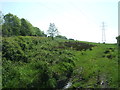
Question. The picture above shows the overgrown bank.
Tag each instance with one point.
(40, 62)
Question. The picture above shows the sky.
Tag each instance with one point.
(77, 19)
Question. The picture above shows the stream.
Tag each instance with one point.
(103, 83)
(68, 85)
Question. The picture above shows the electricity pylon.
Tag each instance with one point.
(103, 33)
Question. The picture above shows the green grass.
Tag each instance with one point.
(41, 62)
(93, 61)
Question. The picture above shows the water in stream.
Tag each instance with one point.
(68, 85)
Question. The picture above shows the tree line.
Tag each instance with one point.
(14, 26)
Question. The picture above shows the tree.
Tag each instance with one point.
(37, 32)
(1, 22)
(60, 36)
(52, 31)
(1, 18)
(118, 41)
(26, 28)
(11, 25)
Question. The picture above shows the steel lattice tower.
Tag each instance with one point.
(103, 32)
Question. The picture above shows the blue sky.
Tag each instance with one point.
(78, 19)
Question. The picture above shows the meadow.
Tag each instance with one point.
(40, 62)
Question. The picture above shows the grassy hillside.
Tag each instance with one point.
(40, 62)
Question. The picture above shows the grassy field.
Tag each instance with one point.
(40, 62)
(96, 66)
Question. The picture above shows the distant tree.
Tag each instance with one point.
(118, 41)
(52, 31)
(11, 25)
(26, 28)
(37, 32)
(71, 39)
(60, 36)
(1, 18)
(1, 22)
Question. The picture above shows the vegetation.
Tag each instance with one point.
(31, 60)
(60, 36)
(13, 26)
(52, 31)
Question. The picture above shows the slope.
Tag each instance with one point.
(97, 68)
(40, 62)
